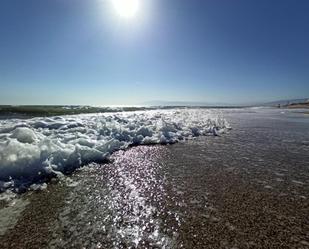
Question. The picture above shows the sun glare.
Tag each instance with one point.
(126, 8)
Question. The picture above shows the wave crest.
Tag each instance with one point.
(36, 149)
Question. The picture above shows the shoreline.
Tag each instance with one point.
(244, 189)
(235, 206)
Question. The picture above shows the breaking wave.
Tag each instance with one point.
(37, 149)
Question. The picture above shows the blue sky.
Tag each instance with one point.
(83, 52)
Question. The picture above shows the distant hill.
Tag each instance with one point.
(304, 105)
(282, 103)
(182, 103)
(287, 102)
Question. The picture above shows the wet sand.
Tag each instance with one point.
(245, 189)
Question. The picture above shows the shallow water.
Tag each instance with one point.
(245, 189)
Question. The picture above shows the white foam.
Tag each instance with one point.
(34, 149)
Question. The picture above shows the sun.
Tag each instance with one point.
(126, 8)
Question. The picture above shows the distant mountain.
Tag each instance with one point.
(162, 103)
(181, 103)
(286, 102)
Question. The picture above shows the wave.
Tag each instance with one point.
(37, 149)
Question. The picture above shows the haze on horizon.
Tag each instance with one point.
(102, 52)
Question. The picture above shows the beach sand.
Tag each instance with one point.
(245, 189)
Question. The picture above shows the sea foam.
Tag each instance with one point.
(36, 149)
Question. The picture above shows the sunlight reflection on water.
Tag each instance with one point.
(124, 205)
(204, 193)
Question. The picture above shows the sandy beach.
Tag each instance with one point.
(244, 189)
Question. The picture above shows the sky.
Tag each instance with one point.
(84, 52)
